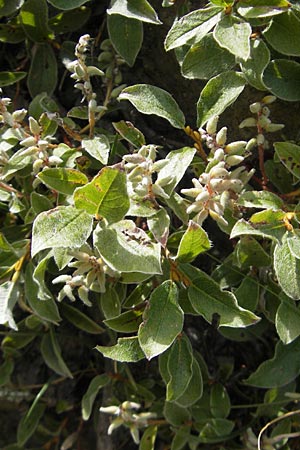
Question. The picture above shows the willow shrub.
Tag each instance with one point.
(107, 241)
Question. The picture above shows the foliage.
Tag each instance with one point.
(116, 251)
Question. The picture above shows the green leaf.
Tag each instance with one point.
(181, 437)
(281, 78)
(68, 21)
(193, 25)
(126, 36)
(98, 148)
(6, 370)
(206, 59)
(130, 133)
(12, 32)
(193, 242)
(159, 226)
(194, 389)
(106, 195)
(153, 100)
(178, 162)
(234, 35)
(250, 253)
(63, 227)
(80, 320)
(126, 350)
(219, 93)
(214, 430)
(29, 422)
(8, 7)
(34, 19)
(45, 309)
(254, 67)
(262, 9)
(260, 199)
(293, 241)
(110, 303)
(219, 401)
(51, 353)
(208, 299)
(281, 369)
(9, 293)
(288, 154)
(283, 34)
(42, 76)
(148, 438)
(268, 223)
(87, 402)
(67, 4)
(8, 78)
(163, 320)
(40, 203)
(287, 320)
(62, 180)
(127, 322)
(129, 249)
(287, 269)
(180, 363)
(176, 415)
(135, 9)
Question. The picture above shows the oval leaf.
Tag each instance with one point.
(126, 36)
(64, 226)
(180, 363)
(8, 78)
(282, 78)
(163, 320)
(63, 180)
(208, 299)
(34, 19)
(220, 92)
(153, 100)
(129, 249)
(106, 195)
(288, 154)
(135, 9)
(280, 370)
(126, 350)
(193, 25)
(287, 269)
(283, 34)
(254, 67)
(42, 76)
(234, 35)
(287, 320)
(67, 4)
(206, 59)
(98, 148)
(193, 242)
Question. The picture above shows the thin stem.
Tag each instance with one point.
(278, 419)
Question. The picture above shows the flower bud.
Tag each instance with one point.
(219, 154)
(235, 147)
(92, 105)
(273, 127)
(260, 139)
(250, 144)
(28, 142)
(37, 165)
(268, 99)
(266, 111)
(234, 160)
(211, 126)
(203, 196)
(255, 107)
(19, 114)
(54, 160)
(34, 126)
(221, 136)
(249, 122)
(135, 158)
(164, 181)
